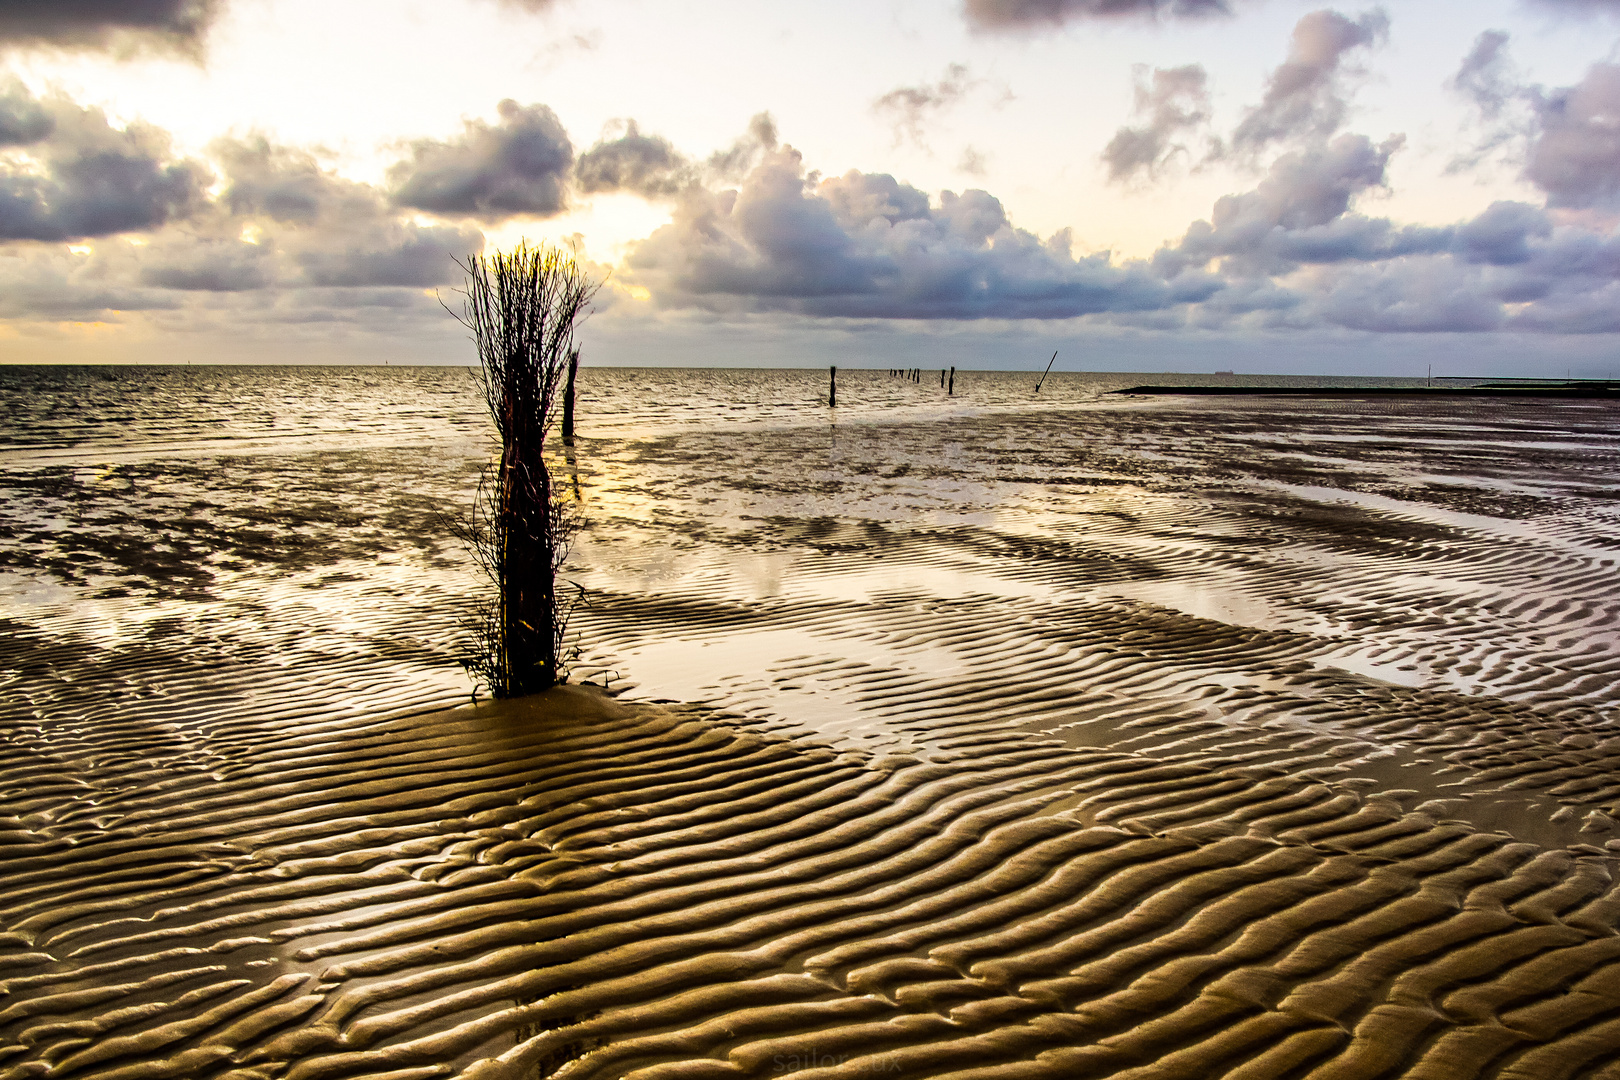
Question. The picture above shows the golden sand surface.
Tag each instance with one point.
(1242, 740)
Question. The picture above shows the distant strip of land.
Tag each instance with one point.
(1536, 390)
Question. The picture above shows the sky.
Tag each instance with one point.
(1141, 185)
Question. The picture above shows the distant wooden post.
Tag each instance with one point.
(832, 386)
(568, 398)
(950, 387)
(942, 378)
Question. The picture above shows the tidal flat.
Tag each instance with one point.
(997, 735)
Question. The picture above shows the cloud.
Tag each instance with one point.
(335, 232)
(23, 119)
(1174, 102)
(909, 107)
(518, 168)
(284, 184)
(81, 177)
(1579, 8)
(737, 160)
(1305, 97)
(1298, 213)
(207, 264)
(1501, 234)
(1045, 14)
(646, 165)
(1485, 76)
(57, 286)
(867, 246)
(120, 25)
(1432, 295)
(1575, 154)
(1506, 108)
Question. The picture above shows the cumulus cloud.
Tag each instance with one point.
(908, 108)
(122, 25)
(646, 165)
(1298, 213)
(1046, 14)
(336, 232)
(1173, 102)
(285, 184)
(867, 246)
(518, 167)
(1306, 97)
(74, 175)
(1575, 154)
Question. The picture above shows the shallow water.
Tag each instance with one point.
(1064, 735)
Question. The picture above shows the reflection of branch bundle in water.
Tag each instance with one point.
(523, 309)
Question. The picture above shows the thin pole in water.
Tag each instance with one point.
(1047, 372)
(832, 387)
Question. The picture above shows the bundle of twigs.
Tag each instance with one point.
(524, 308)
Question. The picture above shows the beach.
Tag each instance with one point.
(994, 735)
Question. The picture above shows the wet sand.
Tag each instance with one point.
(1141, 739)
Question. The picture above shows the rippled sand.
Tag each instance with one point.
(1245, 739)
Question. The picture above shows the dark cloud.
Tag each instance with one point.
(23, 119)
(518, 167)
(646, 165)
(285, 184)
(209, 264)
(1501, 234)
(87, 178)
(124, 25)
(867, 246)
(1575, 154)
(1042, 14)
(908, 108)
(1174, 102)
(1305, 96)
(390, 253)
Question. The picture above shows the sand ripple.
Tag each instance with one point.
(1141, 742)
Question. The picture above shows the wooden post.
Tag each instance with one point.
(1047, 372)
(568, 398)
(832, 387)
(950, 387)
